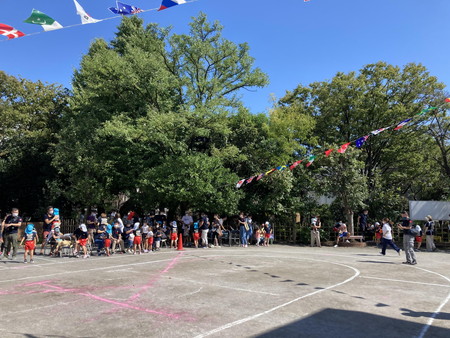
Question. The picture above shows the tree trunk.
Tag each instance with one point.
(350, 225)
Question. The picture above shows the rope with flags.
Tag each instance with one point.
(49, 24)
(359, 142)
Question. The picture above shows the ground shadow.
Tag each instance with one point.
(377, 262)
(342, 323)
(411, 313)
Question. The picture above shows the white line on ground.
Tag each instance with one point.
(405, 281)
(223, 286)
(244, 320)
(191, 293)
(39, 308)
(430, 321)
(86, 270)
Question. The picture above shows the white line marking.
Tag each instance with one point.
(223, 286)
(430, 321)
(39, 308)
(86, 270)
(244, 320)
(405, 281)
(191, 293)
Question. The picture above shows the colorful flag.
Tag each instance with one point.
(310, 160)
(376, 132)
(85, 17)
(401, 124)
(259, 177)
(281, 167)
(170, 3)
(124, 9)
(447, 99)
(343, 148)
(39, 18)
(328, 152)
(359, 142)
(239, 184)
(293, 165)
(270, 171)
(250, 180)
(10, 32)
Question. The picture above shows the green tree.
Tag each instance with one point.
(30, 113)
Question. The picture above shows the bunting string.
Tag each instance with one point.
(359, 142)
(49, 24)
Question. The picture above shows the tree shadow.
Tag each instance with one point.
(415, 314)
(343, 323)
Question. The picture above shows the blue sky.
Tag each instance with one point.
(292, 41)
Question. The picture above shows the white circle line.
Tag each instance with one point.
(240, 321)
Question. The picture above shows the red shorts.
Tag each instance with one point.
(196, 236)
(419, 239)
(107, 242)
(267, 235)
(174, 236)
(137, 240)
(150, 241)
(378, 235)
(82, 241)
(29, 245)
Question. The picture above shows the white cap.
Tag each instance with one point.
(267, 223)
(83, 227)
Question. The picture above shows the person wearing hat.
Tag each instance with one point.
(30, 238)
(81, 235)
(107, 241)
(267, 232)
(429, 233)
(408, 239)
(11, 225)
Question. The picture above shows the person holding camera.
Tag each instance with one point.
(408, 239)
(11, 225)
(315, 231)
(429, 232)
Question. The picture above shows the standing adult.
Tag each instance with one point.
(242, 230)
(315, 231)
(204, 227)
(188, 222)
(363, 218)
(408, 239)
(249, 231)
(49, 218)
(11, 225)
(429, 233)
(91, 222)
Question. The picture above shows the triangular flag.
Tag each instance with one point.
(447, 99)
(259, 177)
(281, 167)
(270, 171)
(239, 184)
(328, 152)
(10, 32)
(359, 142)
(170, 3)
(250, 180)
(39, 18)
(124, 9)
(293, 165)
(376, 132)
(310, 160)
(85, 17)
(343, 148)
(401, 124)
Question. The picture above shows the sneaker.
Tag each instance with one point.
(145, 251)
(25, 262)
(399, 251)
(32, 261)
(413, 263)
(335, 245)
(347, 241)
(406, 262)
(382, 254)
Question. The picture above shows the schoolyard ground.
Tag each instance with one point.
(276, 291)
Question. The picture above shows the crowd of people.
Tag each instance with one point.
(109, 234)
(382, 233)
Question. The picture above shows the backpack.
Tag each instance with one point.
(415, 230)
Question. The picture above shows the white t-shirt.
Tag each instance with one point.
(387, 231)
(145, 229)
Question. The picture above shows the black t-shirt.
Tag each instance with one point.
(363, 219)
(125, 230)
(12, 220)
(406, 222)
(80, 234)
(116, 233)
(45, 226)
(160, 218)
(241, 219)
